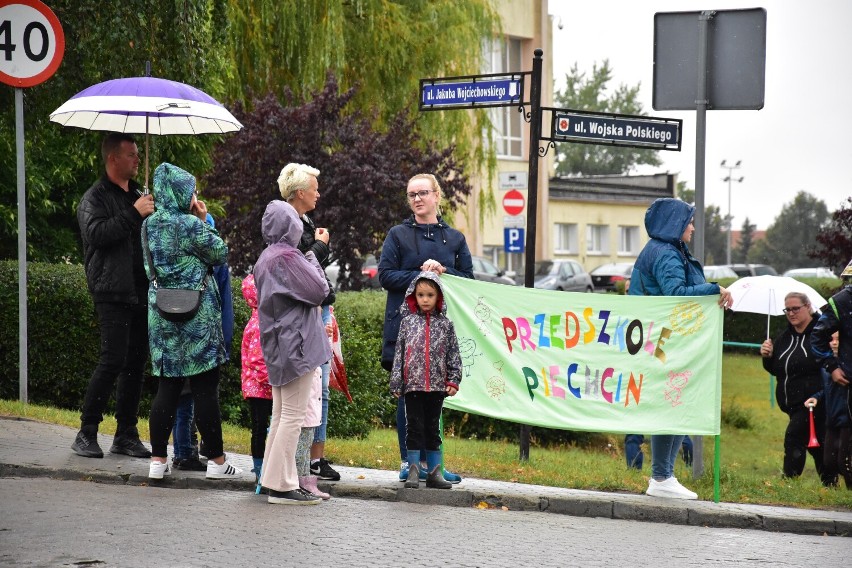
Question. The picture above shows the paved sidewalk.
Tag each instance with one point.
(32, 449)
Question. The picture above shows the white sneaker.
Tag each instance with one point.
(157, 470)
(224, 471)
(669, 488)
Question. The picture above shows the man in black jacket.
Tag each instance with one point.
(110, 217)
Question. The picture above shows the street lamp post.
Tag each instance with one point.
(729, 178)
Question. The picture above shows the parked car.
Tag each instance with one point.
(811, 273)
(753, 270)
(484, 270)
(562, 274)
(716, 273)
(369, 273)
(607, 276)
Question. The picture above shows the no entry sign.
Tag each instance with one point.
(31, 42)
(513, 202)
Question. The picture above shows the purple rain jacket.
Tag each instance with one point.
(290, 287)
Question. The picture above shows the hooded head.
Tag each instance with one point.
(410, 304)
(281, 224)
(667, 218)
(173, 188)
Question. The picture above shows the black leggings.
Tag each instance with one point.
(423, 415)
(261, 410)
(208, 419)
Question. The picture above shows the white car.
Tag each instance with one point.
(716, 273)
(811, 273)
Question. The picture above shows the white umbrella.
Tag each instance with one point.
(146, 105)
(765, 295)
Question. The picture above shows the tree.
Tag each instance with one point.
(740, 254)
(715, 236)
(184, 41)
(363, 173)
(791, 234)
(383, 47)
(834, 241)
(685, 193)
(590, 94)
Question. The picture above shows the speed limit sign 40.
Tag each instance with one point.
(31, 42)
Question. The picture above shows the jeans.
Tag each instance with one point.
(796, 438)
(124, 350)
(664, 449)
(320, 431)
(182, 432)
(633, 450)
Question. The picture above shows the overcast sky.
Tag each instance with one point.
(800, 140)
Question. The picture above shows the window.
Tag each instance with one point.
(628, 240)
(565, 238)
(597, 239)
(503, 55)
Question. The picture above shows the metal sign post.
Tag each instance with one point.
(32, 45)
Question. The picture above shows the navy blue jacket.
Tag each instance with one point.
(407, 246)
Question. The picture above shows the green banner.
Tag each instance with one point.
(592, 362)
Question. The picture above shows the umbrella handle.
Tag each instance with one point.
(145, 189)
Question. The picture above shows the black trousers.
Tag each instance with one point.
(124, 350)
(208, 419)
(423, 415)
(796, 438)
(838, 454)
(261, 410)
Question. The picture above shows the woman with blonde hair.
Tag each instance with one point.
(422, 242)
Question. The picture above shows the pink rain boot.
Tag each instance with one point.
(309, 484)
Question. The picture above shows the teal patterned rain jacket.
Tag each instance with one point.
(183, 247)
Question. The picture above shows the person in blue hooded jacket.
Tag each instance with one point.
(665, 267)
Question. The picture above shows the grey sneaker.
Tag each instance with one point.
(293, 497)
(86, 445)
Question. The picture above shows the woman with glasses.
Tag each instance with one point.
(790, 360)
(423, 242)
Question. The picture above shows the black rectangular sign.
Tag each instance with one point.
(617, 130)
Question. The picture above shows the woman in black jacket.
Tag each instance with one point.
(790, 360)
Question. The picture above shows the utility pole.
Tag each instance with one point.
(728, 178)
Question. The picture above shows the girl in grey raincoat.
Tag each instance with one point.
(290, 288)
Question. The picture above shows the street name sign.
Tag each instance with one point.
(616, 130)
(472, 91)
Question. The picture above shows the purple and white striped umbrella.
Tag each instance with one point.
(146, 105)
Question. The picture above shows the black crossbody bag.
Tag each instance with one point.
(174, 304)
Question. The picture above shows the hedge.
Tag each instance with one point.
(63, 351)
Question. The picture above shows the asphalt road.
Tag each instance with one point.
(49, 522)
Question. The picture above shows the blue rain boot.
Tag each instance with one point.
(435, 478)
(413, 480)
(258, 466)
